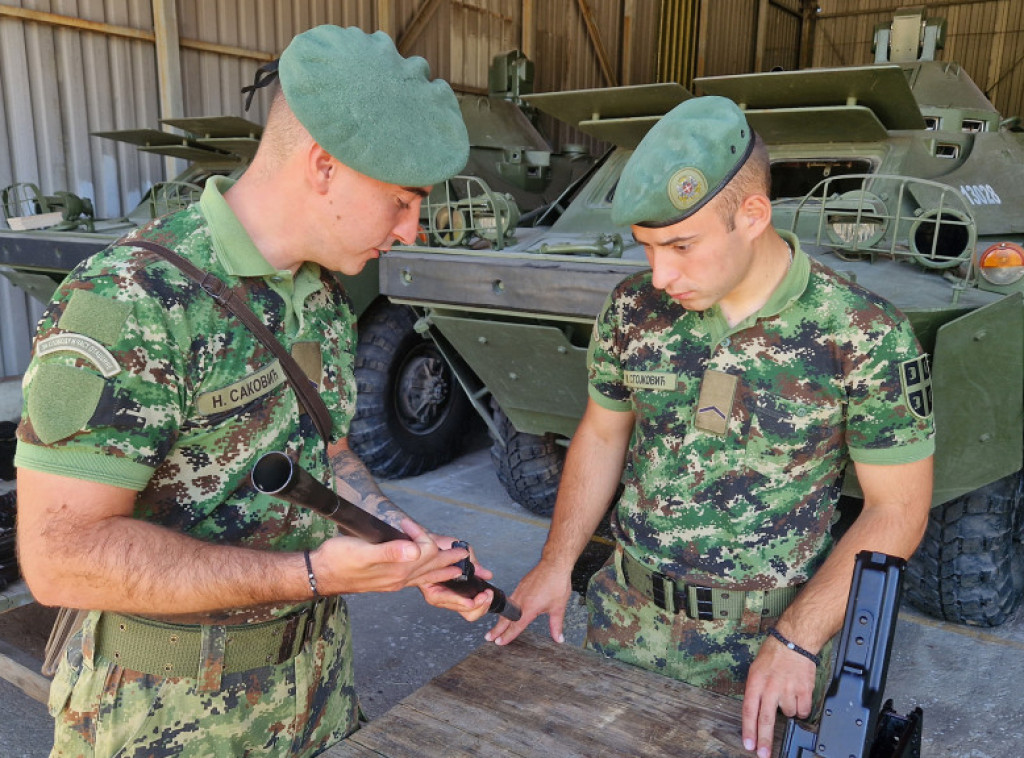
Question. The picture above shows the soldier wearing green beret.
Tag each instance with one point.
(216, 623)
(732, 381)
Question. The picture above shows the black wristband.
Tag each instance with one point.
(309, 574)
(794, 647)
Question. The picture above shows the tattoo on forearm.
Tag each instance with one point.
(356, 485)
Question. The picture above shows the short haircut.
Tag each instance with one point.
(283, 132)
(753, 178)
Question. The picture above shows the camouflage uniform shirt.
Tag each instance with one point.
(735, 486)
(139, 380)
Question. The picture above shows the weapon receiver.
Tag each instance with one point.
(276, 474)
(854, 723)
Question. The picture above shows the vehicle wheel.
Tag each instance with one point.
(969, 567)
(528, 466)
(411, 413)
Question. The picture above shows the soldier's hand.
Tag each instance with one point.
(349, 565)
(445, 543)
(779, 679)
(470, 609)
(544, 590)
(439, 596)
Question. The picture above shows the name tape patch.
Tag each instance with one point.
(237, 394)
(650, 380)
(87, 347)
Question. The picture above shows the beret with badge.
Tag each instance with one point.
(372, 109)
(686, 158)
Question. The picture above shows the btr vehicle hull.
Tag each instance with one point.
(900, 176)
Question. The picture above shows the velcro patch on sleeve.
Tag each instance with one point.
(916, 380)
(61, 400)
(94, 316)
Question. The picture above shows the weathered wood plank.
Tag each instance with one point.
(13, 669)
(535, 698)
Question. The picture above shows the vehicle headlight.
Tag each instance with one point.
(1002, 263)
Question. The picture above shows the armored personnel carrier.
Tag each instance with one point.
(900, 175)
(411, 413)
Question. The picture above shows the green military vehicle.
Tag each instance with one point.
(411, 413)
(900, 175)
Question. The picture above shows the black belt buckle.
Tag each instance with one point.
(658, 589)
(703, 609)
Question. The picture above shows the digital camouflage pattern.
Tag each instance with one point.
(292, 710)
(190, 402)
(742, 434)
(196, 398)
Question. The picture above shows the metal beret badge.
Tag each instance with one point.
(686, 187)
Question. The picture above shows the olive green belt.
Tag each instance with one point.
(700, 603)
(183, 650)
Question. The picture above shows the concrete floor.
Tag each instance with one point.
(965, 679)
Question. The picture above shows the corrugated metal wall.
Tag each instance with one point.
(573, 44)
(59, 82)
(737, 40)
(621, 49)
(18, 315)
(89, 66)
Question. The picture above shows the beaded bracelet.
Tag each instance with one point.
(309, 573)
(794, 647)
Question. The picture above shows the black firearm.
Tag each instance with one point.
(855, 723)
(276, 474)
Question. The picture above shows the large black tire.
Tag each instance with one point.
(969, 568)
(528, 466)
(411, 413)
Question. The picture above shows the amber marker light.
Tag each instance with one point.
(1002, 263)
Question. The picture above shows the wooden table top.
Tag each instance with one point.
(536, 698)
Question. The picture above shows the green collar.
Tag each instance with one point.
(240, 257)
(793, 283)
(231, 243)
(788, 292)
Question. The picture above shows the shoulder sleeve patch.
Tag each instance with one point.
(916, 380)
(95, 316)
(61, 400)
(84, 346)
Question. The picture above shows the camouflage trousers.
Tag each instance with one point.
(296, 708)
(623, 623)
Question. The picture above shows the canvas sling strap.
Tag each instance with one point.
(69, 620)
(700, 603)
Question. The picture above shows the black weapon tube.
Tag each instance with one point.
(277, 475)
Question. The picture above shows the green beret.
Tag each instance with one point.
(682, 162)
(372, 109)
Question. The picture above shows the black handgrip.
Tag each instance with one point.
(278, 475)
